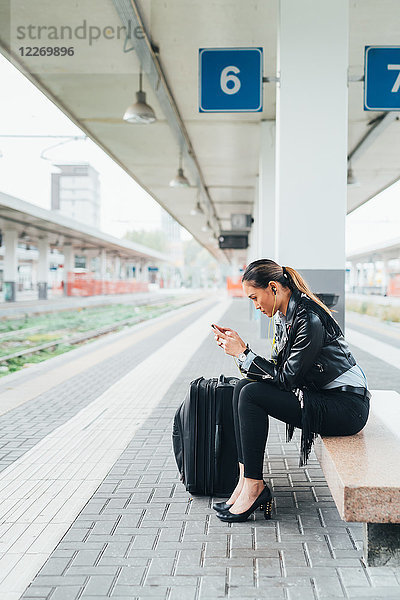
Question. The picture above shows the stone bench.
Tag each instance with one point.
(363, 474)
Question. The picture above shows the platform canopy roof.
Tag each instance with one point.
(33, 223)
(220, 150)
(373, 252)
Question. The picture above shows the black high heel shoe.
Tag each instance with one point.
(224, 506)
(264, 500)
(221, 506)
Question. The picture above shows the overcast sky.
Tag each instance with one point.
(24, 174)
(25, 110)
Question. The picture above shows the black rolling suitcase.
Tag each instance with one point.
(204, 438)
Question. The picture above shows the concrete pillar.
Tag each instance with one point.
(252, 251)
(311, 142)
(144, 274)
(43, 267)
(69, 264)
(361, 278)
(122, 270)
(103, 264)
(266, 206)
(129, 271)
(385, 276)
(265, 210)
(89, 256)
(355, 280)
(10, 241)
(117, 267)
(139, 273)
(373, 274)
(358, 278)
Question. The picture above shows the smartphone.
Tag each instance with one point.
(218, 330)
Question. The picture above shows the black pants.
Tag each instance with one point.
(345, 413)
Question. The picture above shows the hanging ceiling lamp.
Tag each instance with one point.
(140, 111)
(351, 178)
(197, 210)
(180, 180)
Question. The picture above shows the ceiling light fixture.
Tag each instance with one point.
(140, 111)
(180, 180)
(351, 178)
(197, 210)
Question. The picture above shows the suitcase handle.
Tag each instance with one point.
(218, 441)
(221, 379)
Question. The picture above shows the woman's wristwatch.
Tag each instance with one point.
(242, 355)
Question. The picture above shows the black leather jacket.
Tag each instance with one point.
(315, 352)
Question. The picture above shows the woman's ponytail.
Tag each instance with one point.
(302, 286)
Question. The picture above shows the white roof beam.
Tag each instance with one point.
(129, 12)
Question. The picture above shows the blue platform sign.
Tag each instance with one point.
(382, 78)
(230, 79)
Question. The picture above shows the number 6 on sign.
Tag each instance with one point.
(231, 79)
(225, 78)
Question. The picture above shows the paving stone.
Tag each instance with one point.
(268, 567)
(98, 584)
(129, 591)
(55, 566)
(132, 575)
(67, 579)
(260, 593)
(38, 592)
(329, 587)
(390, 593)
(355, 576)
(242, 576)
(66, 593)
(384, 579)
(85, 570)
(162, 566)
(116, 549)
(212, 586)
(85, 558)
(301, 593)
(183, 593)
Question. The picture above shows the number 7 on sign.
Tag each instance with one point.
(396, 85)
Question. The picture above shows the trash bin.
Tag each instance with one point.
(42, 289)
(9, 291)
(330, 300)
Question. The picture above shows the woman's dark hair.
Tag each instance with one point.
(260, 272)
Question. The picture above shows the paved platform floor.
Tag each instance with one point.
(90, 500)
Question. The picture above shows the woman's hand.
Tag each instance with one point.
(229, 340)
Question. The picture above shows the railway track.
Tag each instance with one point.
(87, 335)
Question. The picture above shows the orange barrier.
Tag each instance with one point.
(234, 286)
(84, 284)
(394, 285)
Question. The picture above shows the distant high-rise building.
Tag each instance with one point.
(75, 193)
(171, 228)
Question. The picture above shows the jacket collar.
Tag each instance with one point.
(292, 304)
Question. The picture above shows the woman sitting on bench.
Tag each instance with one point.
(311, 380)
